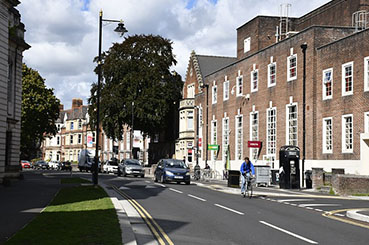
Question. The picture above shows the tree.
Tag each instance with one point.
(137, 70)
(40, 110)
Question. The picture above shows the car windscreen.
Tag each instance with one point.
(113, 163)
(172, 163)
(132, 162)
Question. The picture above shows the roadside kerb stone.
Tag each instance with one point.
(359, 214)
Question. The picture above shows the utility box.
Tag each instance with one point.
(289, 167)
(262, 174)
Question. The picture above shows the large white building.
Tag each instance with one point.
(12, 45)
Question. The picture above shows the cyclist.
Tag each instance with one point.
(247, 170)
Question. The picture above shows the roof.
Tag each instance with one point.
(209, 64)
(73, 114)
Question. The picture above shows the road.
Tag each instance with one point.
(198, 215)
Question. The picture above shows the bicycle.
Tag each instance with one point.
(248, 189)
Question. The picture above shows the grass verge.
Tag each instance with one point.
(74, 181)
(361, 194)
(77, 215)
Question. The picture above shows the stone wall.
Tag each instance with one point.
(350, 184)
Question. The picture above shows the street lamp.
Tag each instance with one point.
(303, 47)
(132, 130)
(120, 29)
(207, 123)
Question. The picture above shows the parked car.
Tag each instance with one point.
(66, 166)
(41, 164)
(25, 164)
(172, 170)
(110, 167)
(54, 164)
(131, 167)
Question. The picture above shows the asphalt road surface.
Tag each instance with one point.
(189, 214)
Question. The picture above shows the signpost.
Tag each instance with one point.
(213, 147)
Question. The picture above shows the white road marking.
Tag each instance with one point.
(287, 203)
(262, 198)
(150, 187)
(147, 181)
(175, 190)
(319, 205)
(341, 215)
(309, 208)
(319, 210)
(289, 233)
(293, 204)
(295, 200)
(160, 185)
(198, 198)
(229, 209)
(123, 188)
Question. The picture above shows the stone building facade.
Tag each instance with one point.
(259, 97)
(11, 49)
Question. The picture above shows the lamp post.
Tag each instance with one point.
(132, 130)
(207, 123)
(120, 29)
(303, 47)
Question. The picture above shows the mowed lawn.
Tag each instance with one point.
(77, 215)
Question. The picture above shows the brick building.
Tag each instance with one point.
(75, 134)
(259, 96)
(11, 49)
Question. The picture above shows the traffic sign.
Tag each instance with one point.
(213, 147)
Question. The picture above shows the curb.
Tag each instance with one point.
(353, 214)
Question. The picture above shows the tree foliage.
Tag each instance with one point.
(40, 110)
(137, 70)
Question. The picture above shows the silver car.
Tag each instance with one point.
(131, 167)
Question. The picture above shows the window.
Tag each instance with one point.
(191, 91)
(128, 140)
(347, 78)
(93, 137)
(79, 124)
(58, 126)
(292, 126)
(271, 130)
(366, 122)
(71, 125)
(214, 94)
(366, 73)
(254, 133)
(239, 137)
(213, 138)
(254, 80)
(347, 134)
(57, 140)
(71, 140)
(272, 70)
(225, 136)
(327, 135)
(79, 138)
(239, 85)
(246, 45)
(327, 84)
(292, 67)
(226, 90)
(190, 120)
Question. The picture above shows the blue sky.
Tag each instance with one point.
(191, 3)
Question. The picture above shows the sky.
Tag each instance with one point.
(63, 34)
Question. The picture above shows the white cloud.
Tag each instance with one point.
(64, 37)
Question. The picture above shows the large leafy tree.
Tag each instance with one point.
(138, 82)
(40, 110)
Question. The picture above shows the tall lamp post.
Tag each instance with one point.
(132, 130)
(303, 47)
(207, 123)
(120, 29)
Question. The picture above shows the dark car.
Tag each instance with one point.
(172, 170)
(131, 167)
(66, 166)
(41, 164)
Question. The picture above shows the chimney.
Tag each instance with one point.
(61, 107)
(76, 103)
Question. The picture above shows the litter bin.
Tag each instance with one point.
(308, 179)
(233, 178)
(275, 176)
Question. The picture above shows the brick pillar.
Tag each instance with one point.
(318, 177)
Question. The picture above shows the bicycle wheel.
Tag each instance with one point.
(250, 190)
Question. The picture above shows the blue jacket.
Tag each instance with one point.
(244, 168)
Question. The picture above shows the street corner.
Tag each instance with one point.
(353, 216)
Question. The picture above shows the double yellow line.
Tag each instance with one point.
(158, 232)
(331, 214)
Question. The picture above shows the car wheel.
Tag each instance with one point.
(188, 182)
(155, 178)
(178, 182)
(80, 169)
(143, 176)
(162, 180)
